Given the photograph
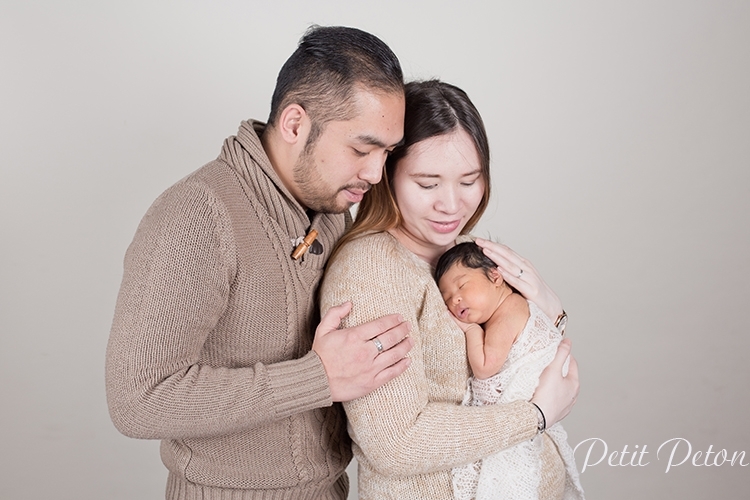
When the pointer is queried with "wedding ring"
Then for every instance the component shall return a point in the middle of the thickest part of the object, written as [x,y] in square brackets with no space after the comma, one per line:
[520,272]
[378,344]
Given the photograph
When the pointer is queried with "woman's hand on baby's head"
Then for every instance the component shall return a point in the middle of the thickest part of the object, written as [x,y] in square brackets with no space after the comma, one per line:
[521,275]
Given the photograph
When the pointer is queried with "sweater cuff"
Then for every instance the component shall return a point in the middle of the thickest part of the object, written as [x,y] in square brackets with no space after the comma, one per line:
[528,415]
[299,385]
[526,422]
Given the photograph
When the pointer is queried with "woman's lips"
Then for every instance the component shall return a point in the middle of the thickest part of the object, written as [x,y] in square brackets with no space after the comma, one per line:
[445,227]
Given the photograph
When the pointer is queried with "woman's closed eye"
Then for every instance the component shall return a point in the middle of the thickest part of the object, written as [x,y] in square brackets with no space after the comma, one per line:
[471,179]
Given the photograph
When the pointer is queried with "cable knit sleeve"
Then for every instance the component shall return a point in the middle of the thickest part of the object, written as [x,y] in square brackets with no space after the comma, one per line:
[409,426]
[176,283]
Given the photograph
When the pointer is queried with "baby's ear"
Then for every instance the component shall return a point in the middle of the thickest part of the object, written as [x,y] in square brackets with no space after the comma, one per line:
[495,276]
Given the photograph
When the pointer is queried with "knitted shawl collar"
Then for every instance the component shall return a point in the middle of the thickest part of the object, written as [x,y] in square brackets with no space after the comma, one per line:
[245,154]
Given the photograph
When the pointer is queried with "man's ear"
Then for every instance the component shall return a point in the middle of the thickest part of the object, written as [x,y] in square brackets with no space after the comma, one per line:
[293,124]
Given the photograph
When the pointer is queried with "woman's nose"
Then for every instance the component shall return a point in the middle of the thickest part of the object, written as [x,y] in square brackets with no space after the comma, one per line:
[448,201]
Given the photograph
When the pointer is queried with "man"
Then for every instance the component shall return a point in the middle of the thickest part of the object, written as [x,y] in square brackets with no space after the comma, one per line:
[211,348]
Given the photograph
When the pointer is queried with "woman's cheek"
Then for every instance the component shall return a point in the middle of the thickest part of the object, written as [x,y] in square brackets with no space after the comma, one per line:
[475,197]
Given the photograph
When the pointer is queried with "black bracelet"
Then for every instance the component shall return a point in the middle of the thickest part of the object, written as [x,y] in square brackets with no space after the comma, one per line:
[543,425]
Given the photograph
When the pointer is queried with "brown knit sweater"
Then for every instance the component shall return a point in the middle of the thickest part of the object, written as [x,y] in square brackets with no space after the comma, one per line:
[410,433]
[210,345]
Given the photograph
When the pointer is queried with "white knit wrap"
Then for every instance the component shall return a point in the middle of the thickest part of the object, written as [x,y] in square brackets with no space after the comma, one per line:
[514,473]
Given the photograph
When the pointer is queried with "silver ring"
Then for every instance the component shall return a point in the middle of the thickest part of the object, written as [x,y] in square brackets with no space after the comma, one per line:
[378,344]
[520,272]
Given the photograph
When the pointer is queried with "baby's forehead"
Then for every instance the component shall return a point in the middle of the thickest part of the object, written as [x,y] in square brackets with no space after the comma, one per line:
[459,270]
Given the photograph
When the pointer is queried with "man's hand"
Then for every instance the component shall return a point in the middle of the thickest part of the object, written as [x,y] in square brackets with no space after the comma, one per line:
[360,359]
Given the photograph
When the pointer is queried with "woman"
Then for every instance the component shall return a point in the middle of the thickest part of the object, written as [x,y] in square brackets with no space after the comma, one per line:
[409,433]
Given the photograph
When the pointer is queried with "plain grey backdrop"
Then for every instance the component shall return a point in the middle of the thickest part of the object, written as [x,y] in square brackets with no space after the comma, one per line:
[620,136]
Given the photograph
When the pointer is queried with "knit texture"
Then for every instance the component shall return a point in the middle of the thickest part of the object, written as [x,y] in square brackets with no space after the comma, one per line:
[210,344]
[409,433]
[515,472]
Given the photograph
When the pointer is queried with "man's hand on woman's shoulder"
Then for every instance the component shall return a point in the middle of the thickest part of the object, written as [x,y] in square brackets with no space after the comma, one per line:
[360,359]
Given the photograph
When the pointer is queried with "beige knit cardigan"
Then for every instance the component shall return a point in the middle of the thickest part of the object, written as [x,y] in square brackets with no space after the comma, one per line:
[210,345]
[410,433]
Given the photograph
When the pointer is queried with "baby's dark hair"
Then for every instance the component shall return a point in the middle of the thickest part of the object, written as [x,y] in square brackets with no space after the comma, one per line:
[468,254]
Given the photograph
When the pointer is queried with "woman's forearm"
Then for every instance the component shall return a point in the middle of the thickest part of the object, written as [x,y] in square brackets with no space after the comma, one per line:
[436,436]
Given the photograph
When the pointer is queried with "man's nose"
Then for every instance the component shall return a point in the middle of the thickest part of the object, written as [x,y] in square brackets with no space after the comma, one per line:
[373,170]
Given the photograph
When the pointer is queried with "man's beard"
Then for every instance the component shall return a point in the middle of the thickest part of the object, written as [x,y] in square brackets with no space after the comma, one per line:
[317,194]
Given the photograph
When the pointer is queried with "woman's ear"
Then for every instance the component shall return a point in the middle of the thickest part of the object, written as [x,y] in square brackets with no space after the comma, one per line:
[294,124]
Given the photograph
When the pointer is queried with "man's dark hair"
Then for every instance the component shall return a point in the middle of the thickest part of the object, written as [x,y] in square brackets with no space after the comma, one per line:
[468,254]
[322,73]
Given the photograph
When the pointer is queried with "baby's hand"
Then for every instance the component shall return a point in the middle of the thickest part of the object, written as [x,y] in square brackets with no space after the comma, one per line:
[465,327]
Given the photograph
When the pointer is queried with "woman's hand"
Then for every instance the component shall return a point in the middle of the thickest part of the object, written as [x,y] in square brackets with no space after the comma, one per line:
[557,393]
[521,275]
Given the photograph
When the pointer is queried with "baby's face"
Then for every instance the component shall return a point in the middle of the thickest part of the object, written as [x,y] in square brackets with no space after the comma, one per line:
[470,295]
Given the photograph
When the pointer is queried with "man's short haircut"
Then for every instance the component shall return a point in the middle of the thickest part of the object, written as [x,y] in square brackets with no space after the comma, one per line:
[322,73]
[468,254]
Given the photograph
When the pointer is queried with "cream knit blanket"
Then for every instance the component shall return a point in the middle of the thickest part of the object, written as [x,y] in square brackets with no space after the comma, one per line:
[514,473]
